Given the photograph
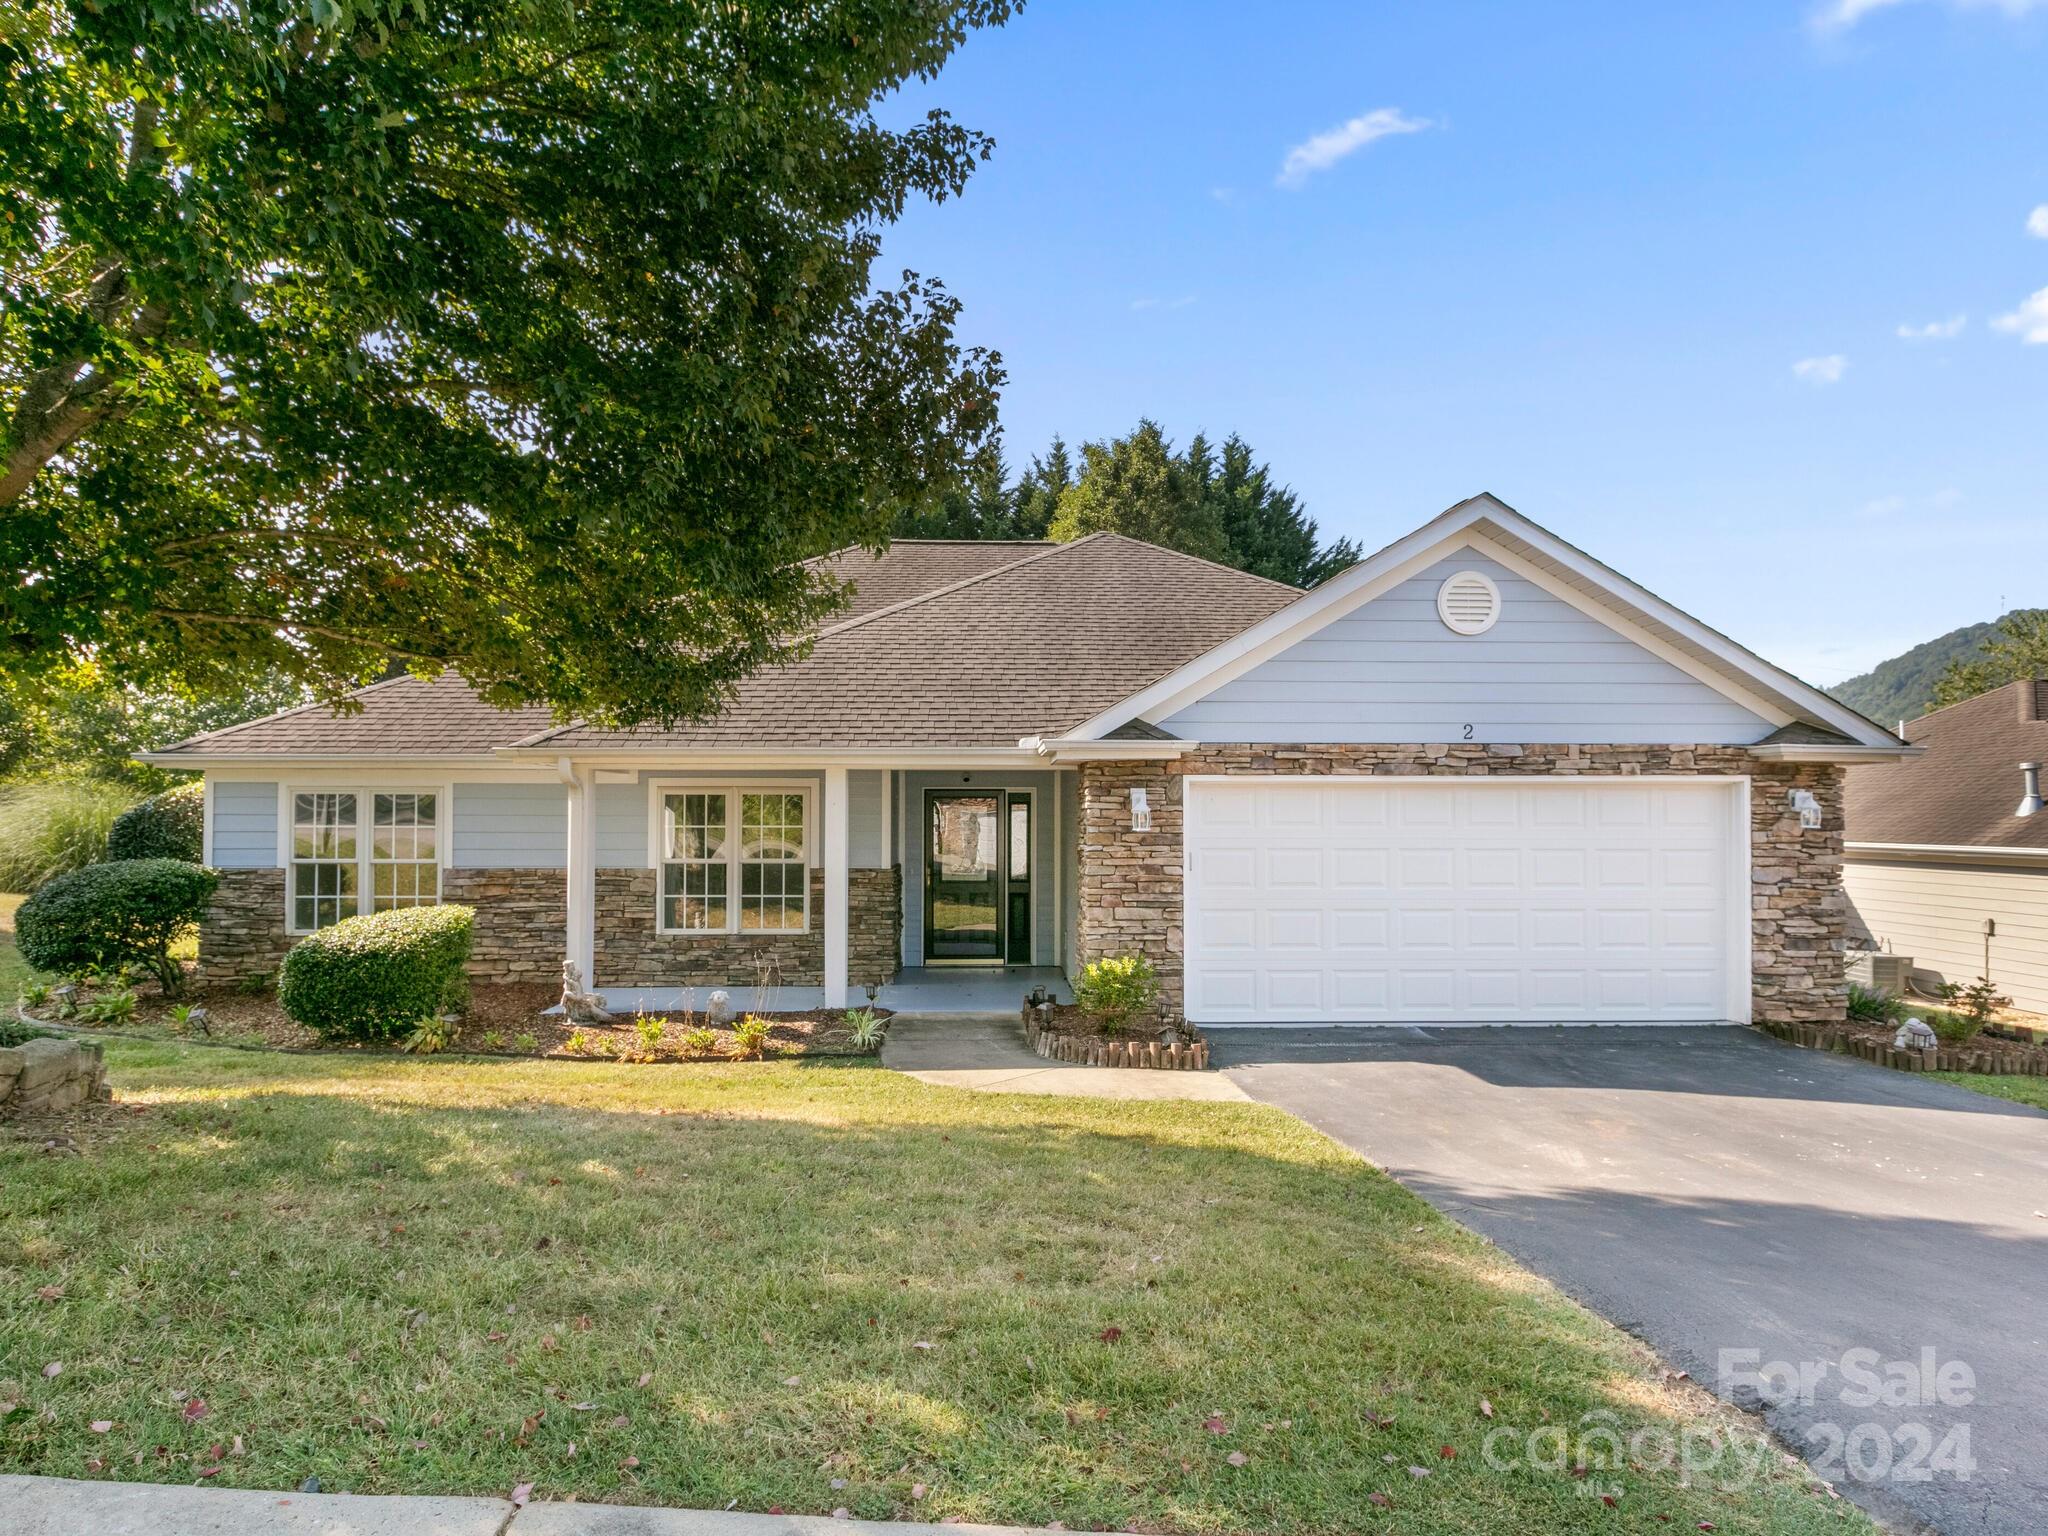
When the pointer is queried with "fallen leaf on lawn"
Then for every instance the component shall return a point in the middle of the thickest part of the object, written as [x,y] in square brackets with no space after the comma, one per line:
[581,1325]
[1708,1525]
[776,1509]
[209,1471]
[1110,1334]
[1449,1453]
[547,1341]
[922,1344]
[582,1407]
[94,1464]
[1215,1425]
[236,1448]
[49,1293]
[1237,1458]
[918,1490]
[1610,1501]
[1485,1409]
[496,1336]
[53,1370]
[792,1381]
[620,1422]
[100,1426]
[646,1377]
[842,1513]
[1381,1500]
[629,1463]
[521,1493]
[1418,1471]
[572,1447]
[196,1409]
[838,1484]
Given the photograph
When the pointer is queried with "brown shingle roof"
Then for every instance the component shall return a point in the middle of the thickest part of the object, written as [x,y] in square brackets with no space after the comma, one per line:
[1033,647]
[402,717]
[977,644]
[912,567]
[1962,791]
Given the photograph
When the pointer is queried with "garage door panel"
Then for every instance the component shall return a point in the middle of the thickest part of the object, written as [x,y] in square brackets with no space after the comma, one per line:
[1466,901]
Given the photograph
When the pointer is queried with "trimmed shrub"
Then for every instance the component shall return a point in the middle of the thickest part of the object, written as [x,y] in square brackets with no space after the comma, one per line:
[53,826]
[110,915]
[368,977]
[171,825]
[1115,990]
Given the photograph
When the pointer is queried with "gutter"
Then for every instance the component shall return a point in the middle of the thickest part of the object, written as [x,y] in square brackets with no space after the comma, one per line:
[1950,853]
[1847,752]
[1073,749]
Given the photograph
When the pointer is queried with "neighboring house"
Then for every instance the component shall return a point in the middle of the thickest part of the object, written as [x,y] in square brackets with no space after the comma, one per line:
[1941,865]
[1477,777]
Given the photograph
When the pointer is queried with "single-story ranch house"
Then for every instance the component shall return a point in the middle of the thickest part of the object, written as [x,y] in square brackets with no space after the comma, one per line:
[1477,777]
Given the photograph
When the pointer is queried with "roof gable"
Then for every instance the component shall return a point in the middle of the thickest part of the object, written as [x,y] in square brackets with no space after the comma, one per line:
[1394,669]
[1487,525]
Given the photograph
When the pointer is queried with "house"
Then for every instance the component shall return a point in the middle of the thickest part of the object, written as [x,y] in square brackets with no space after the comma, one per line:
[1947,853]
[1477,777]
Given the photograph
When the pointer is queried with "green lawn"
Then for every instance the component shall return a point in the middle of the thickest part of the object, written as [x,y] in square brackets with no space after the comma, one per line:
[796,1286]
[2021,1090]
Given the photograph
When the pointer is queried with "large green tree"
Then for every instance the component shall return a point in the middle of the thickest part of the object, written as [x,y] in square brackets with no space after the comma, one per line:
[1137,485]
[539,339]
[1222,505]
[2017,648]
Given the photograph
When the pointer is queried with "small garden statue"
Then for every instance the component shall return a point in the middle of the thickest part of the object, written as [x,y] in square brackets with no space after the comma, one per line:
[1914,1035]
[581,1006]
[720,1010]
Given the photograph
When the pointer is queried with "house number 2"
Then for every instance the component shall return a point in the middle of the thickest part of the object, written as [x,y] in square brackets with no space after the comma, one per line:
[1468,733]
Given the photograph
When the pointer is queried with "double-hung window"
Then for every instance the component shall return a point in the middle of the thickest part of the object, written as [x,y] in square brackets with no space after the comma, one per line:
[357,851]
[734,861]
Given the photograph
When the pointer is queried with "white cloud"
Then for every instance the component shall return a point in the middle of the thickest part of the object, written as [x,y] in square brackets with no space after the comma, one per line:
[1151,303]
[2037,222]
[1821,370]
[1883,506]
[1327,148]
[2030,321]
[1840,15]
[1934,330]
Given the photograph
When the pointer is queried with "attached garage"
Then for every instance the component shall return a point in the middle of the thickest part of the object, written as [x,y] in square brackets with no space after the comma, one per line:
[1481,900]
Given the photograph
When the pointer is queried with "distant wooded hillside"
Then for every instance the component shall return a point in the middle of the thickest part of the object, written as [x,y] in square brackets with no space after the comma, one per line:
[1903,688]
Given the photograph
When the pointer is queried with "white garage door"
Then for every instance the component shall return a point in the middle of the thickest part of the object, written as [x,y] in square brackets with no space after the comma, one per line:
[1489,901]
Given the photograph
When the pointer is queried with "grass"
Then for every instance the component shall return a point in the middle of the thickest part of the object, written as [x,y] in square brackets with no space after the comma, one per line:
[2021,1090]
[799,1287]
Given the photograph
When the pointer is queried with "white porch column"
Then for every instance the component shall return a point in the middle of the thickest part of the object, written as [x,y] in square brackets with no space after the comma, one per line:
[580,876]
[838,833]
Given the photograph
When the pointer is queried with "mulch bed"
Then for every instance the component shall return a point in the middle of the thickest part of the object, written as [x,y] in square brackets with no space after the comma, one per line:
[1873,1042]
[499,1020]
[1062,1032]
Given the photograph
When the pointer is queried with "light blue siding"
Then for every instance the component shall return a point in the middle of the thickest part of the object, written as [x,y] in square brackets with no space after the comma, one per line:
[1391,671]
[244,824]
[510,826]
[865,791]
[910,840]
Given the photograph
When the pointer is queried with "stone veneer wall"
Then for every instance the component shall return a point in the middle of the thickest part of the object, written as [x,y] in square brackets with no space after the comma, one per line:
[521,924]
[522,921]
[243,933]
[631,953]
[1130,896]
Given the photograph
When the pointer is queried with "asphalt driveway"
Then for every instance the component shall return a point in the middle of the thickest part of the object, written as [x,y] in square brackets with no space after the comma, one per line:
[1712,1191]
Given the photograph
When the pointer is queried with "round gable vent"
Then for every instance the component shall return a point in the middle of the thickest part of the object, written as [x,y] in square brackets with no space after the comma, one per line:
[1468,602]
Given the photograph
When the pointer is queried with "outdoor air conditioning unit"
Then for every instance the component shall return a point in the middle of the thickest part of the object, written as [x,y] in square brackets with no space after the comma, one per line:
[1880,970]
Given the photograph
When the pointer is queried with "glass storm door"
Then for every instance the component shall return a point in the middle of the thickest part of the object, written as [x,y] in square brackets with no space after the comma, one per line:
[974,877]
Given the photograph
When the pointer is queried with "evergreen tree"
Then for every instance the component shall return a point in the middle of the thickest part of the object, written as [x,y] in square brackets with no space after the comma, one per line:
[1137,486]
[2017,648]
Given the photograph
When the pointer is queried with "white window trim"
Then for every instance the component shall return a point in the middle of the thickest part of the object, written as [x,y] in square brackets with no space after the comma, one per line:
[444,832]
[732,789]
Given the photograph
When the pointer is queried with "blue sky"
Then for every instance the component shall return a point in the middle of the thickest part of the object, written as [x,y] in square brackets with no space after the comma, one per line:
[1640,271]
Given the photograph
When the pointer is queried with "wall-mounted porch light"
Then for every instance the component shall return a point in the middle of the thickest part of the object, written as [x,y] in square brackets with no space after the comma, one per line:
[1141,812]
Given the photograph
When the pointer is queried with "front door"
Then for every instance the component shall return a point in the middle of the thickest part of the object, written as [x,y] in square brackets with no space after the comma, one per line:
[977,877]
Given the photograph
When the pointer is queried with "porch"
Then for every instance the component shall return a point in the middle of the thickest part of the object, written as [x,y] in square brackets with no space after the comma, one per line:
[916,989]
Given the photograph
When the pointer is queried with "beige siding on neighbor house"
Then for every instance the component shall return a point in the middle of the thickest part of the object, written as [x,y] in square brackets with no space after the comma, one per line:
[1936,914]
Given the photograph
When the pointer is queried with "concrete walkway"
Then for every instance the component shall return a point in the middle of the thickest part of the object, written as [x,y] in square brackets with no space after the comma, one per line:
[987,1053]
[55,1506]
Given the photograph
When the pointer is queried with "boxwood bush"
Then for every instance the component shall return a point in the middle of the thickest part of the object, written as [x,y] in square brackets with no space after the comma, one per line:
[166,826]
[368,977]
[109,915]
